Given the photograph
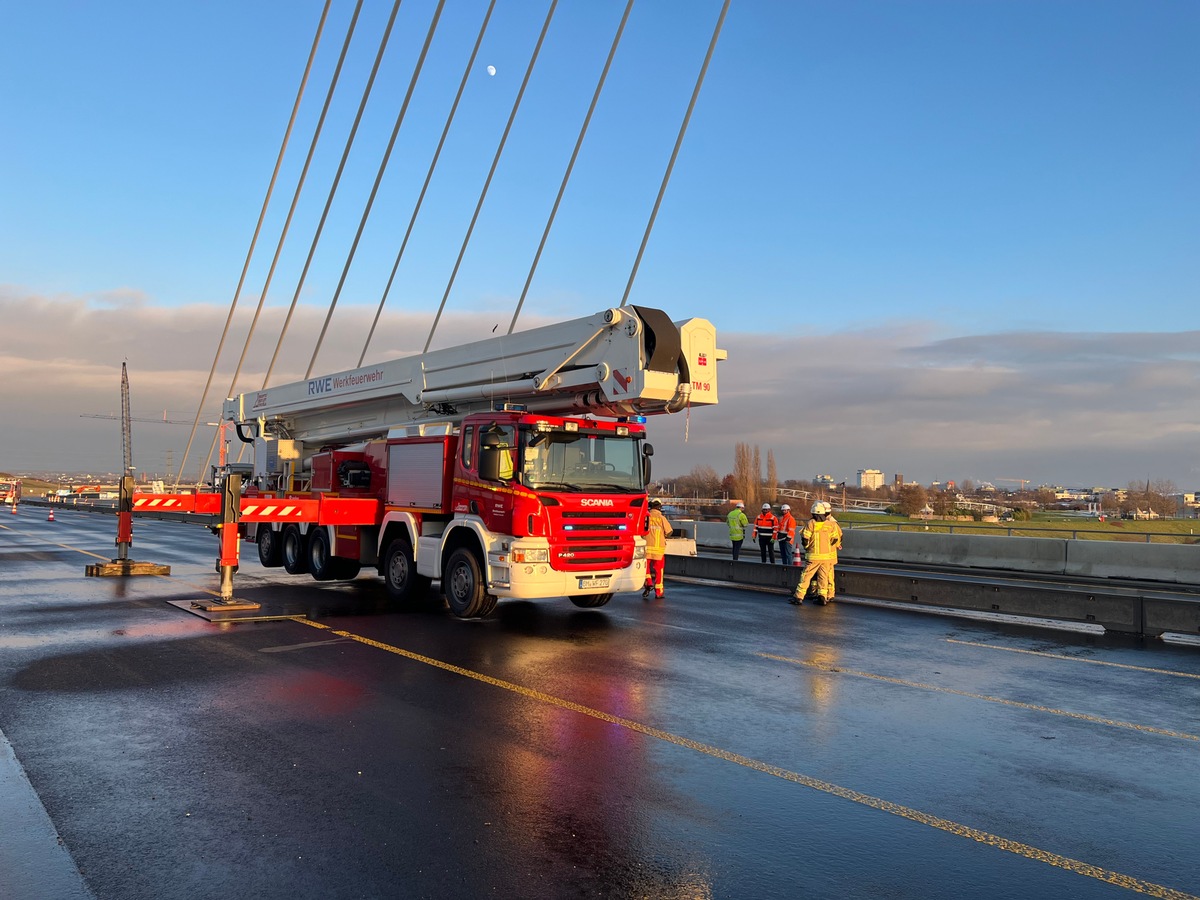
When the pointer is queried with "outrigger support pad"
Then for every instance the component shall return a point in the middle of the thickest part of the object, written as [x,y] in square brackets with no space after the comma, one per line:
[122,565]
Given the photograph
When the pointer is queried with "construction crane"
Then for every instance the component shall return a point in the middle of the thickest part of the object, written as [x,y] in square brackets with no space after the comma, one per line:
[163,421]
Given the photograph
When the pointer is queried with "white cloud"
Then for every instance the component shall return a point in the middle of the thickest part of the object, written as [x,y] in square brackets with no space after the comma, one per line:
[1075,408]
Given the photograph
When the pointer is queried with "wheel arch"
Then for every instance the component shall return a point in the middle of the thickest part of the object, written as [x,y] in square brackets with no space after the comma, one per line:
[396,525]
[467,535]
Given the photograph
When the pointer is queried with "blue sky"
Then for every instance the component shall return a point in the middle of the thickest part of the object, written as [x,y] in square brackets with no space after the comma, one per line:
[946,239]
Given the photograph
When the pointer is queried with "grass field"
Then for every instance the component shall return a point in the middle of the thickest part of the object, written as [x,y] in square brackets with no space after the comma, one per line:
[1157,531]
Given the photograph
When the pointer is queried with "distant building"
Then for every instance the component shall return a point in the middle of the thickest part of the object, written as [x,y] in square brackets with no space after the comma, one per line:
[824,480]
[870,478]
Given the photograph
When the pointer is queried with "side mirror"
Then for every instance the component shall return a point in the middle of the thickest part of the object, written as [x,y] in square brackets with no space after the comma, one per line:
[493,451]
[489,463]
[647,452]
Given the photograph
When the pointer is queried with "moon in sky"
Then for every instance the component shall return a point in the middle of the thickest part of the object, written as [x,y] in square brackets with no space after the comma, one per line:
[491,70]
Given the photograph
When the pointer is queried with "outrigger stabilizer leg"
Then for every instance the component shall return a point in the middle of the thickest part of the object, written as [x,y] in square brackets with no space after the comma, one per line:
[122,564]
[227,555]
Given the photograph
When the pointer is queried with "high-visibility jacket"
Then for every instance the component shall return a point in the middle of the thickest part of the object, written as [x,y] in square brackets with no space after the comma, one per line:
[787,528]
[657,529]
[821,539]
[765,525]
[738,523]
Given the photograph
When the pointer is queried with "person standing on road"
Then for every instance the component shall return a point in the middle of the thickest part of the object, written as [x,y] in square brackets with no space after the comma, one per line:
[657,530]
[765,527]
[820,538]
[787,534]
[738,523]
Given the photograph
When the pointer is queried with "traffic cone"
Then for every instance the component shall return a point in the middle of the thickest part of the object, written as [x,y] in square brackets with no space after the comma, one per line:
[14,509]
[50,518]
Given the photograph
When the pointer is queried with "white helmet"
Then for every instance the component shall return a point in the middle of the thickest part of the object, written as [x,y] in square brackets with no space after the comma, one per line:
[741,505]
[766,506]
[821,508]
[784,507]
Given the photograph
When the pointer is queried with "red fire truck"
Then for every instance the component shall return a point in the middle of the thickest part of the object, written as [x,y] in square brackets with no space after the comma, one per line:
[10,491]
[514,467]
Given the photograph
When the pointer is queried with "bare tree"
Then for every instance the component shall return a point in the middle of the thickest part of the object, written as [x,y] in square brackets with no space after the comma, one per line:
[772,477]
[702,481]
[746,480]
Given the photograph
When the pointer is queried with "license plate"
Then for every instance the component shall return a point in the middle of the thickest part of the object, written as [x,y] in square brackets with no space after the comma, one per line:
[594,582]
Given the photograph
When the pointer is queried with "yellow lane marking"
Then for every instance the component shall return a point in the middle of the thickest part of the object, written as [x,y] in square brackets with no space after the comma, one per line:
[1062,862]
[1083,717]
[1095,662]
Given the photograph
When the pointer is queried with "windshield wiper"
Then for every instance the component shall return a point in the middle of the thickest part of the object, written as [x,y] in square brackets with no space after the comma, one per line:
[613,487]
[557,485]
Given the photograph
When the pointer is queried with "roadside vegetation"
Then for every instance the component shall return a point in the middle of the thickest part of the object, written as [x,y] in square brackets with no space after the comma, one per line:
[1146,511]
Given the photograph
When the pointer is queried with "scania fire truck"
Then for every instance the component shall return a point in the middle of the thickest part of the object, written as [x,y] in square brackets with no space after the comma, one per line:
[10,492]
[514,467]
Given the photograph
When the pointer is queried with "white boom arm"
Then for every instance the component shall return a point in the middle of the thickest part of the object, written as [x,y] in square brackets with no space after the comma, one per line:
[619,362]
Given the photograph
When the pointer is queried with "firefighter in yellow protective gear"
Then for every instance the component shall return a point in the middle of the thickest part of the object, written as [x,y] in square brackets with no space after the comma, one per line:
[657,531]
[820,538]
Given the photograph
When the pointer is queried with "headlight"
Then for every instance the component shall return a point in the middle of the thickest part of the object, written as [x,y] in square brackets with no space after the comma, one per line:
[534,555]
[639,551]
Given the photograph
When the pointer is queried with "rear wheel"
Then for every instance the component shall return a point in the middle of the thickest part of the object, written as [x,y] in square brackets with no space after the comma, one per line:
[400,573]
[462,583]
[321,563]
[591,601]
[294,550]
[270,553]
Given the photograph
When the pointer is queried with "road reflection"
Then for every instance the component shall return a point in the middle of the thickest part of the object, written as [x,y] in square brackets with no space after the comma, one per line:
[577,789]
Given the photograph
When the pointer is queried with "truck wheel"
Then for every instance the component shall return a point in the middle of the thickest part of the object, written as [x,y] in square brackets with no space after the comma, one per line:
[462,583]
[400,573]
[321,563]
[591,601]
[346,569]
[294,551]
[270,553]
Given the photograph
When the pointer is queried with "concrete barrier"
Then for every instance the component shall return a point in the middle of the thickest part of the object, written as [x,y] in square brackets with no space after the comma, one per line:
[1115,609]
[1168,563]
[1044,556]
[1147,613]
[1171,563]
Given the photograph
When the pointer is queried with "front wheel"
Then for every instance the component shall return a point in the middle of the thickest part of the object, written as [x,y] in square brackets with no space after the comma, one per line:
[590,601]
[462,583]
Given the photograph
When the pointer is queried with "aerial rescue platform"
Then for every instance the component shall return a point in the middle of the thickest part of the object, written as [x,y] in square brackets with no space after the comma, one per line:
[513,467]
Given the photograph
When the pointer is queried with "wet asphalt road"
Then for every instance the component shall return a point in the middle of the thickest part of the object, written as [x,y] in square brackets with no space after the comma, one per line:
[718,744]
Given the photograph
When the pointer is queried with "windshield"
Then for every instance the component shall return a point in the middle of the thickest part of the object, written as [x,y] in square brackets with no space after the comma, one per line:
[571,461]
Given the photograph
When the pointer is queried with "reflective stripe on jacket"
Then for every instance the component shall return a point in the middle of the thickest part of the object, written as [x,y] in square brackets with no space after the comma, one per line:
[738,523]
[821,539]
[765,524]
[787,528]
[657,529]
